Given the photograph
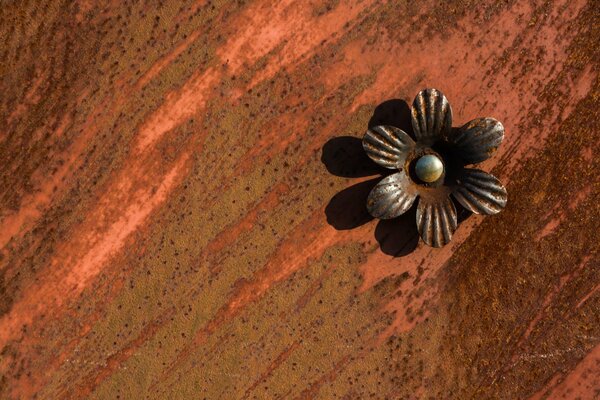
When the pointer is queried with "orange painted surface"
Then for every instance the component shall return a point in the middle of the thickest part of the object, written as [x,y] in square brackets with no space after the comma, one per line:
[182,202]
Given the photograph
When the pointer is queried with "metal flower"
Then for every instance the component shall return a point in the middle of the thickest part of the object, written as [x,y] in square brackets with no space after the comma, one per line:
[433,168]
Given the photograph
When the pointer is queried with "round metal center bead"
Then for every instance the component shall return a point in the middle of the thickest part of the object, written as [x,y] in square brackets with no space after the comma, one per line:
[429,168]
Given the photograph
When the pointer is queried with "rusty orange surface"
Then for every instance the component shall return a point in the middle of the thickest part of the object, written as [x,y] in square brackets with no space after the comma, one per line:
[182,201]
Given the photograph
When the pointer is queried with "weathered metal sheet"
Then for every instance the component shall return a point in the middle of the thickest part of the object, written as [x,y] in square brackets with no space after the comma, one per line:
[183,191]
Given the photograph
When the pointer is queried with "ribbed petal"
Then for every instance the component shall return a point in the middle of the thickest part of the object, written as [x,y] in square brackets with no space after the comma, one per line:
[391,197]
[387,145]
[477,140]
[436,221]
[480,192]
[431,116]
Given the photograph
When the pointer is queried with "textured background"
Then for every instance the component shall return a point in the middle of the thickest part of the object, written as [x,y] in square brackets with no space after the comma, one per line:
[182,188]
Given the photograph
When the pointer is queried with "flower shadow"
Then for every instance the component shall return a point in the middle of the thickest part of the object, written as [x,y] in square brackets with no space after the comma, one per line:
[344,156]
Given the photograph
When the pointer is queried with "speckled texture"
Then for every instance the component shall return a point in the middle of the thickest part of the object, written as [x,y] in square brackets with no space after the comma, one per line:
[179,219]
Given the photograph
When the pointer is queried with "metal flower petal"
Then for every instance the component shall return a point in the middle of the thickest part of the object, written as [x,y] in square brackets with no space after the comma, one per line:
[431,116]
[478,139]
[480,192]
[387,145]
[436,220]
[391,197]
